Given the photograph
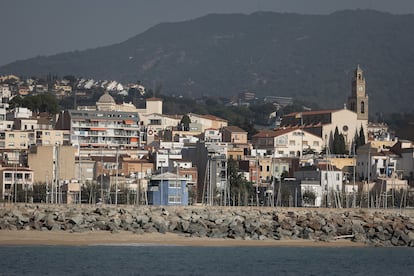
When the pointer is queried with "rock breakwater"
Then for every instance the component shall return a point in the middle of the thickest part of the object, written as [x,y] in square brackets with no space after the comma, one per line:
[371,226]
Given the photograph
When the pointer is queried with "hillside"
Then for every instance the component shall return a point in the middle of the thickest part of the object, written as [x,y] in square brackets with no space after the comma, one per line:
[310,57]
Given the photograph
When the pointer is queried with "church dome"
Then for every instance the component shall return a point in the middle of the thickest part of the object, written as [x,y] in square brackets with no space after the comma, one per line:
[106,99]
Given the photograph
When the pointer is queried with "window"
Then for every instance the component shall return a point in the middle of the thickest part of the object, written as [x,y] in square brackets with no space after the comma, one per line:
[261,168]
[174,199]
[267,168]
[11,135]
[337,177]
[315,143]
[155,122]
[291,142]
[362,107]
[173,184]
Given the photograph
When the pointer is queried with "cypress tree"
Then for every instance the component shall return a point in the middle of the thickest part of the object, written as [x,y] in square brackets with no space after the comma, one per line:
[341,144]
[336,145]
[361,136]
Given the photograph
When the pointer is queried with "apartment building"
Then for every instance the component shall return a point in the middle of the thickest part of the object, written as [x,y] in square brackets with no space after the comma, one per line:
[16,139]
[94,128]
[52,163]
[15,182]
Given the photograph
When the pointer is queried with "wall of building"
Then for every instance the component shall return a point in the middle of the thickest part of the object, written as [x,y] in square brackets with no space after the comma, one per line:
[41,160]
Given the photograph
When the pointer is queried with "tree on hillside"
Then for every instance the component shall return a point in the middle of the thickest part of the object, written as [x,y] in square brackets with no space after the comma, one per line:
[45,102]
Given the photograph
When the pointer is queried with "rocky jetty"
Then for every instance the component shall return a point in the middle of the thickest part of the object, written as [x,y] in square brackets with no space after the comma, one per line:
[372,226]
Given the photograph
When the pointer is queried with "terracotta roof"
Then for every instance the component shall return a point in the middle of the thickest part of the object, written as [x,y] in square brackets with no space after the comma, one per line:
[234,129]
[208,116]
[154,99]
[313,112]
[279,132]
[212,117]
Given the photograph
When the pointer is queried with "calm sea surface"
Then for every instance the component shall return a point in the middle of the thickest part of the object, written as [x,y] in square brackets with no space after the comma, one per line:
[181,260]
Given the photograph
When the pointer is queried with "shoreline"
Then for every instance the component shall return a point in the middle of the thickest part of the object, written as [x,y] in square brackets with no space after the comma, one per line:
[124,238]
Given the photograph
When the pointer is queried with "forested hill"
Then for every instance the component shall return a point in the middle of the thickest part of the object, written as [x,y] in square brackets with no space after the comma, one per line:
[309,57]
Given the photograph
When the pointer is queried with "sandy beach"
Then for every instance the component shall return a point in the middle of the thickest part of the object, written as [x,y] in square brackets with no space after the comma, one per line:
[21,238]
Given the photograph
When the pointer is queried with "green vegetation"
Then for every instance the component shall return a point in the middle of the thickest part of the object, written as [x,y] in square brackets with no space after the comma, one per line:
[44,102]
[241,189]
[338,143]
[308,57]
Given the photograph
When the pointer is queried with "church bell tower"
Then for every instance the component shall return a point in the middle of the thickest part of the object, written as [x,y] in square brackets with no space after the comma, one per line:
[358,101]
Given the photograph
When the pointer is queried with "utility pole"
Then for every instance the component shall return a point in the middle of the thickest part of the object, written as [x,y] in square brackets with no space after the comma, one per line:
[257,180]
[116,177]
[80,175]
[102,170]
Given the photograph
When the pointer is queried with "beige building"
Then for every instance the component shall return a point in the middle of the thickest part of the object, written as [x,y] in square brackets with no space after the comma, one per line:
[207,121]
[234,135]
[324,122]
[158,122]
[154,105]
[51,163]
[14,183]
[288,142]
[52,137]
[16,139]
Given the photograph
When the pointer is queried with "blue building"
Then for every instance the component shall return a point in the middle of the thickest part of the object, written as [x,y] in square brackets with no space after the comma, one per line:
[167,189]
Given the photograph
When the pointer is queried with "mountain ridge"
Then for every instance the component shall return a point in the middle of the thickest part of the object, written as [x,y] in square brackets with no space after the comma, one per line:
[308,57]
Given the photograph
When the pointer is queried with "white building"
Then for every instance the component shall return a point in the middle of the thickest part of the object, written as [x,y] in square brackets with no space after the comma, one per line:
[290,142]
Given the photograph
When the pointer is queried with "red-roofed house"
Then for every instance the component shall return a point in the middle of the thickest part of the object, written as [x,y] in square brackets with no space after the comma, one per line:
[287,142]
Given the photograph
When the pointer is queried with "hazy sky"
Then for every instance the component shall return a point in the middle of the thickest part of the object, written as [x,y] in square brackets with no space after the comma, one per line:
[42,27]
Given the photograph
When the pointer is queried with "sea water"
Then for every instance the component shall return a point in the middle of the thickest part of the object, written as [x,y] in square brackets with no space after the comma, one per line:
[181,260]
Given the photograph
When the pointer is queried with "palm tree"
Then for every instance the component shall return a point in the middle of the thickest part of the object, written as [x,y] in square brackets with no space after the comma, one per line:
[240,188]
